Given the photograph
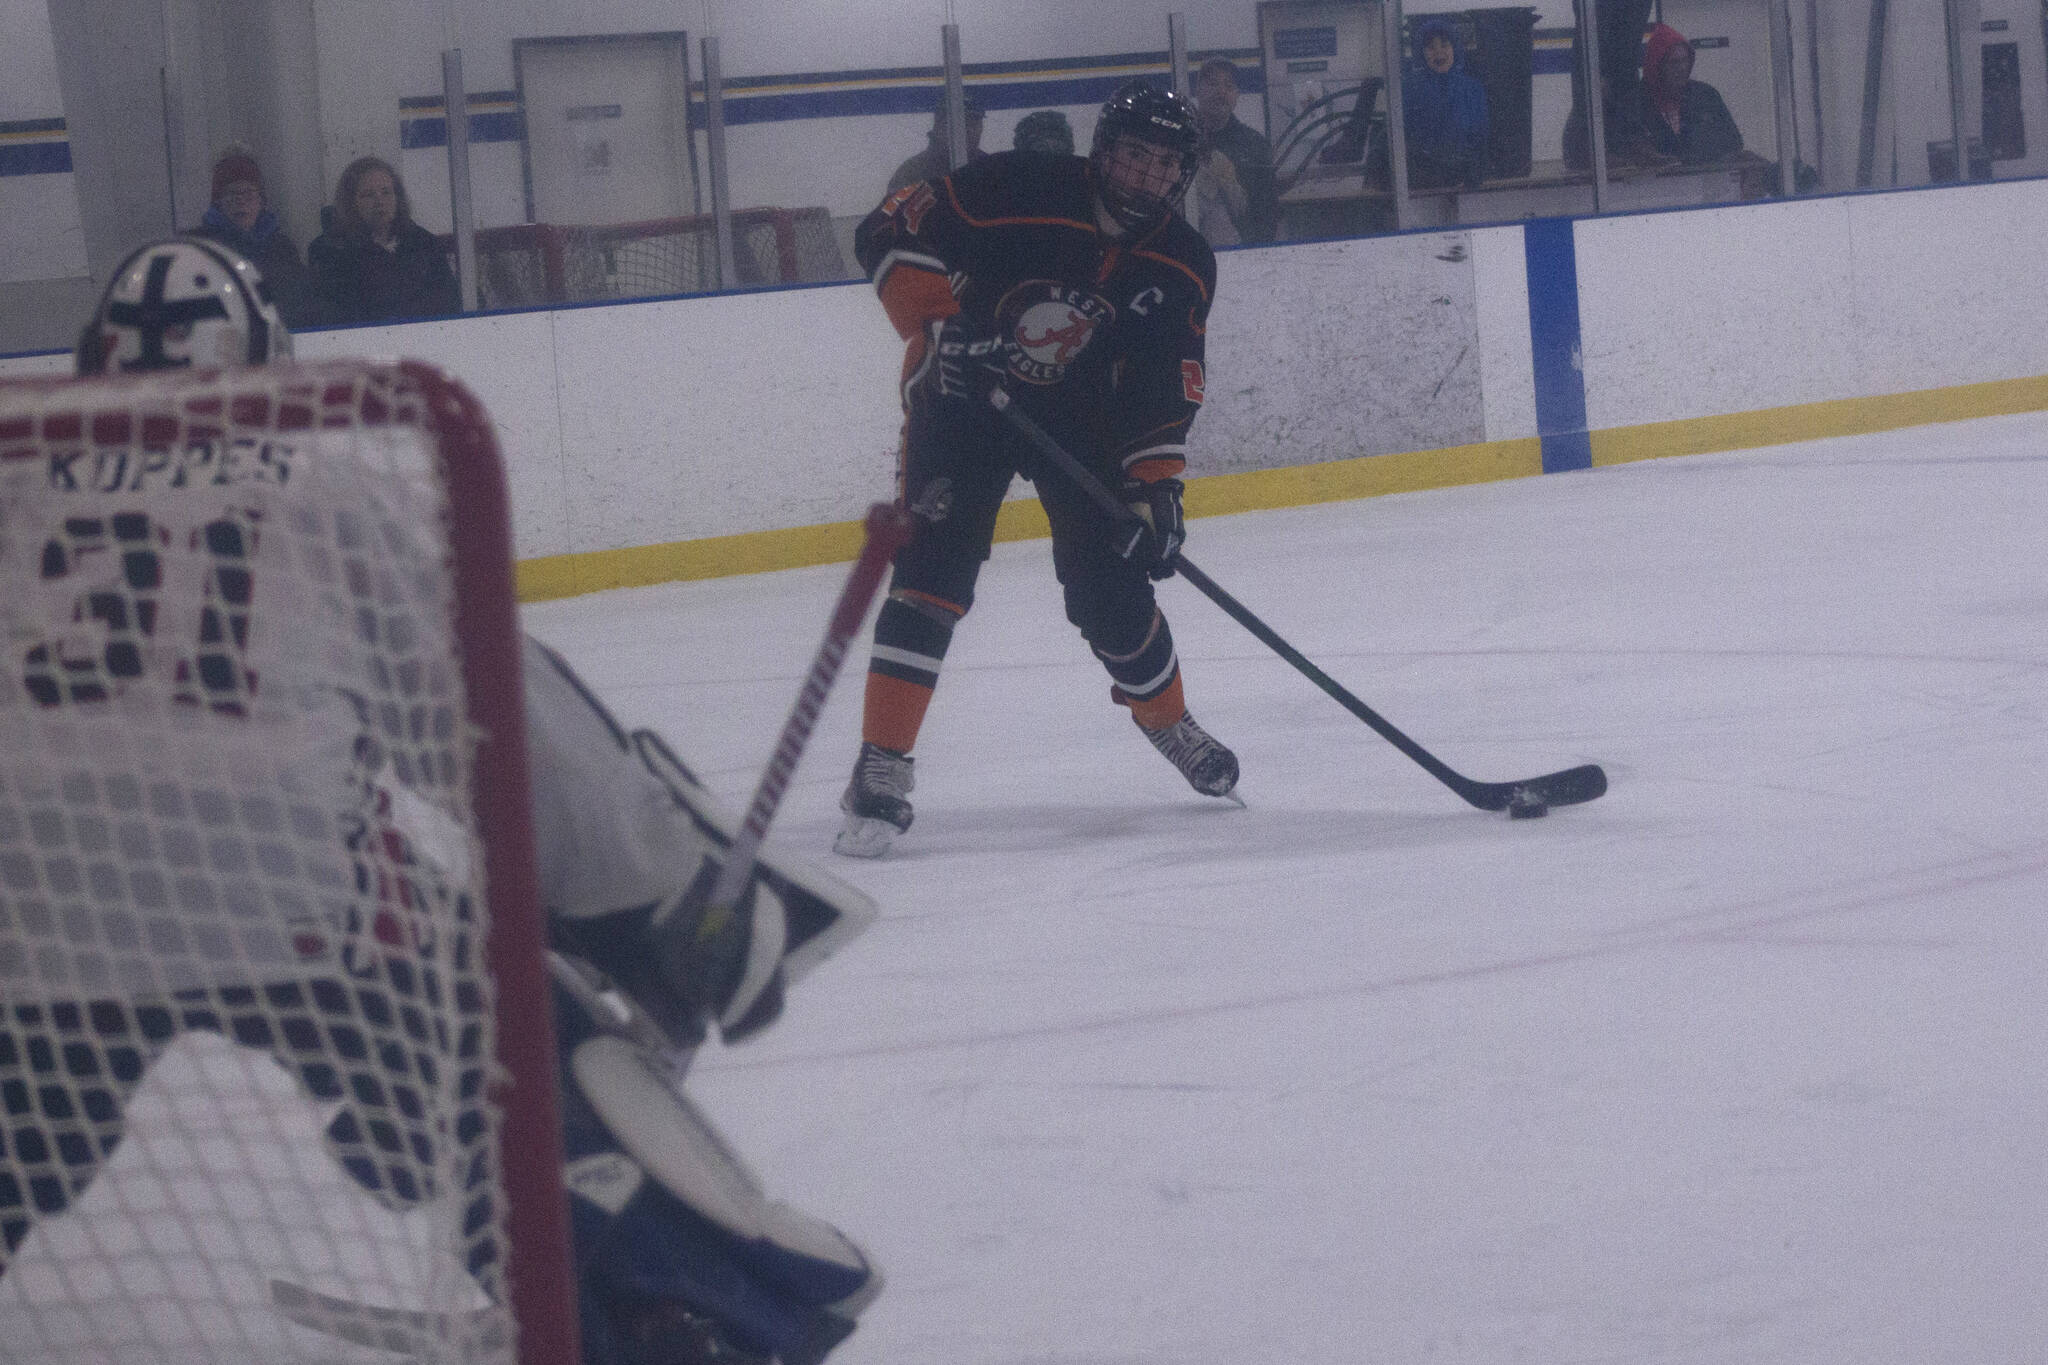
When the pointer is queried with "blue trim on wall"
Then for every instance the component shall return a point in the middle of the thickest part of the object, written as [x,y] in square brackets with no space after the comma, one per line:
[35,158]
[910,99]
[504,126]
[1553,261]
[852,94]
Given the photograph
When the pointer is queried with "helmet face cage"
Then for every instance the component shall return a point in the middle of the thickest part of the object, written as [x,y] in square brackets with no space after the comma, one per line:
[1140,195]
[183,303]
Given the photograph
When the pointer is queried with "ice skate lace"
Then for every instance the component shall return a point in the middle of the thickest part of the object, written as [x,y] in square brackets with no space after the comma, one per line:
[882,773]
[1188,747]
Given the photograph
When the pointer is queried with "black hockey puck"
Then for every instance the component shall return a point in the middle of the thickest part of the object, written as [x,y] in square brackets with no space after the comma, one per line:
[1524,805]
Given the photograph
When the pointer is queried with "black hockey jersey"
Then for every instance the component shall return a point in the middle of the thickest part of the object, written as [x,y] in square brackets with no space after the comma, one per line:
[1107,331]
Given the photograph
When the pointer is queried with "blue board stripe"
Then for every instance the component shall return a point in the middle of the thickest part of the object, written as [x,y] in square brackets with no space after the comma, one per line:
[1553,262]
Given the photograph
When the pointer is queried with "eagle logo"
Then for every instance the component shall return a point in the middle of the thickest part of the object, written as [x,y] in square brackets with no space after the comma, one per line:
[1050,325]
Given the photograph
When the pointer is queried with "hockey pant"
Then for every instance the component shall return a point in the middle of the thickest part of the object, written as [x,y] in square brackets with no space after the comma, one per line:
[955,474]
[679,1254]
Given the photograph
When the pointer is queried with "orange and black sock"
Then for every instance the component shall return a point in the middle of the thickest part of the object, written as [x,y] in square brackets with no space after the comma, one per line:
[1148,678]
[911,636]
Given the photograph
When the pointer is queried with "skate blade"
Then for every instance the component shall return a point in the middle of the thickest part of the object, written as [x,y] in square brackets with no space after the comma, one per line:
[864,838]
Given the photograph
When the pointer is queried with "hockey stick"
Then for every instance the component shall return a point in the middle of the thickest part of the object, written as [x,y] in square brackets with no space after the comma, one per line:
[1530,796]
[888,527]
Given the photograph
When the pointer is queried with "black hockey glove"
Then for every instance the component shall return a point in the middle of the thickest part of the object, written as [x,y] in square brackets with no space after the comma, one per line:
[1155,537]
[965,362]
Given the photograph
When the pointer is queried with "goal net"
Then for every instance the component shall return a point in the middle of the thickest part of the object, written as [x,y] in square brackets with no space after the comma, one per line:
[540,263]
[275,1058]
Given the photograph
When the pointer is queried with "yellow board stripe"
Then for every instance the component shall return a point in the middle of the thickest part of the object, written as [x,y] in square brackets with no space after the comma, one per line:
[1815,421]
[1300,485]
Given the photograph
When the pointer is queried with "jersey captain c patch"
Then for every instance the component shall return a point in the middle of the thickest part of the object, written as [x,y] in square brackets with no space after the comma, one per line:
[1051,324]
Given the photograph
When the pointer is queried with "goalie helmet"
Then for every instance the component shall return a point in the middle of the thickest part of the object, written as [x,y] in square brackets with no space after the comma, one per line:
[1136,195]
[183,303]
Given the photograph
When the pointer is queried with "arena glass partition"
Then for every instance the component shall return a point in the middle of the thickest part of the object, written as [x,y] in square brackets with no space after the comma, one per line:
[629,150]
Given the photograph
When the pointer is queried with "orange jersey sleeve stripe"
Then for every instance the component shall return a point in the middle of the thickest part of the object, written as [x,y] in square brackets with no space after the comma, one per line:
[912,296]
[1177,265]
[972,221]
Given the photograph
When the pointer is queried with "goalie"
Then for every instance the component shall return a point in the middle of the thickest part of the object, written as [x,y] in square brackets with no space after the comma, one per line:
[681,1257]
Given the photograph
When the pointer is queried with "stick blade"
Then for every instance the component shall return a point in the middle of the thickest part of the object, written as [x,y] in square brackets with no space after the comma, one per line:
[1571,787]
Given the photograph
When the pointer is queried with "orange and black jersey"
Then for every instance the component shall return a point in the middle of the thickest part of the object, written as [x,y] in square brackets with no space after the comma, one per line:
[1107,330]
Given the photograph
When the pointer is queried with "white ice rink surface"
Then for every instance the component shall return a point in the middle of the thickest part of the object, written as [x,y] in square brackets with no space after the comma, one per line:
[1742,1063]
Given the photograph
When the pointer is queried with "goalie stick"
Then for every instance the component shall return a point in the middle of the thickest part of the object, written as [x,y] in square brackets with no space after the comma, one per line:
[407,1332]
[1567,787]
[888,527]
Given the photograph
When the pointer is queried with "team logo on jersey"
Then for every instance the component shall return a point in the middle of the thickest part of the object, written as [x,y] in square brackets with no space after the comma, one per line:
[1051,324]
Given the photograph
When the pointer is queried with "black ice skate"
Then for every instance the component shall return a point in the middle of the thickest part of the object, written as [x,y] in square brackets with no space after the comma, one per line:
[1209,767]
[876,804]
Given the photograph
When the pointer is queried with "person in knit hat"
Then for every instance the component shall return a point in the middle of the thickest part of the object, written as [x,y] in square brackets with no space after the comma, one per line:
[1685,118]
[239,217]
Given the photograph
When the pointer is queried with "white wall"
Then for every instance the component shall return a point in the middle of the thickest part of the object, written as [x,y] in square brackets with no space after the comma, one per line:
[1740,309]
[639,424]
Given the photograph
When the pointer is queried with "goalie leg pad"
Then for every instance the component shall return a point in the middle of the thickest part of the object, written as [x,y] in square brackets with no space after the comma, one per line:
[670,1221]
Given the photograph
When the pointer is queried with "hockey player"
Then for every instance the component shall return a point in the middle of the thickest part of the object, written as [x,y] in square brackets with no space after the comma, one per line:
[1074,285]
[681,1256]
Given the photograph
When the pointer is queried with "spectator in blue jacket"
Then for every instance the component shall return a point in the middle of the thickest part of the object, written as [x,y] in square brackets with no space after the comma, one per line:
[1443,109]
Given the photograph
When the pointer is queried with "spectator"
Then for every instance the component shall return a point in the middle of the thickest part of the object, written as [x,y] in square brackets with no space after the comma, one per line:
[1249,154]
[375,264]
[1217,201]
[1621,26]
[936,160]
[1686,118]
[1045,131]
[1443,111]
[238,217]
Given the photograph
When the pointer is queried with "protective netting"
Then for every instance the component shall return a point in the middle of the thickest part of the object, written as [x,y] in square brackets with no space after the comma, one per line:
[247,1040]
[541,263]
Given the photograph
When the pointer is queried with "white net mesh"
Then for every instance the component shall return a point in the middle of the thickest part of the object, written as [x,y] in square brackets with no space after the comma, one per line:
[246,1041]
[541,263]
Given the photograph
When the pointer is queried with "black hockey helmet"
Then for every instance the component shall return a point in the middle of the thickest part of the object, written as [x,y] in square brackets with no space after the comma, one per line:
[1164,120]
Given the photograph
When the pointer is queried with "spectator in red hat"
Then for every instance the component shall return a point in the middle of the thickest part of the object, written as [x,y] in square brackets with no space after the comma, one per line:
[1686,118]
[239,217]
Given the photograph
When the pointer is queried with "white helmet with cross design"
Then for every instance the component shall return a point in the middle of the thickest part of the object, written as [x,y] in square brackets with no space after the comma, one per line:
[183,303]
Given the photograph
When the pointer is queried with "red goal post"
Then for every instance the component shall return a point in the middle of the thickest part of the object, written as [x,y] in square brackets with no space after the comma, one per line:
[275,1037]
